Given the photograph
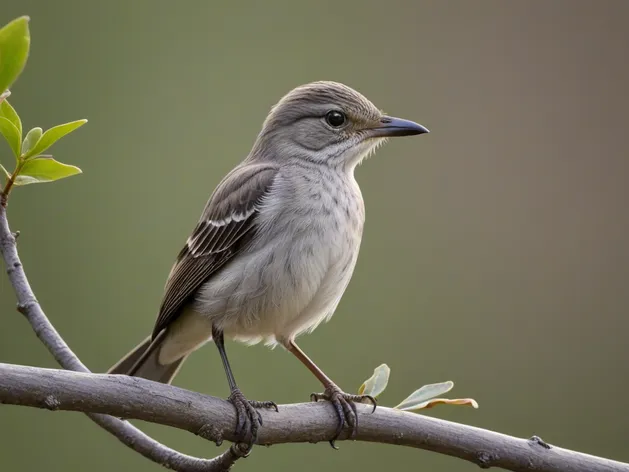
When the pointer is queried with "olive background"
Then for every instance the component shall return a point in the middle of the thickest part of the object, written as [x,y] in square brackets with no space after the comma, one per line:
[496,248]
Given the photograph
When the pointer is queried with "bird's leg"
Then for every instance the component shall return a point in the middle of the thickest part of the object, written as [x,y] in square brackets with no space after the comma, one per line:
[248,419]
[344,403]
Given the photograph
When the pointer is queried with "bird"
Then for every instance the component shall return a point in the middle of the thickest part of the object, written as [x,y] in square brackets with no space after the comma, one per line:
[275,247]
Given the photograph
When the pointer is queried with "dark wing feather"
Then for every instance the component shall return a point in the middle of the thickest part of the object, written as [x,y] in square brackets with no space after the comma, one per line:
[227,223]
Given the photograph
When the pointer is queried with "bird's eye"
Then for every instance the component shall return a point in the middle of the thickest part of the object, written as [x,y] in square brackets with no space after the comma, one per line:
[335,118]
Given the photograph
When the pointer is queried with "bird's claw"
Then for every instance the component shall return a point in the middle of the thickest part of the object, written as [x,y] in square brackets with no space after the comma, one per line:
[345,407]
[248,418]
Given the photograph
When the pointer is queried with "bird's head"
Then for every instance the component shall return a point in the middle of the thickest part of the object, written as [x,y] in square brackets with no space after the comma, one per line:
[328,123]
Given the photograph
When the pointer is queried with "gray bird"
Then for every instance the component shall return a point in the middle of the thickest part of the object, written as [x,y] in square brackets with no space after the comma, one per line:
[276,245]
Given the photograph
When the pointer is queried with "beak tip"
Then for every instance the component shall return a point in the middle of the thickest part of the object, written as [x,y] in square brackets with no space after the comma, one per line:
[423,130]
[391,126]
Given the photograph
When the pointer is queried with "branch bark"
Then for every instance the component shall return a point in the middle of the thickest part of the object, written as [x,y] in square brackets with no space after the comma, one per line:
[214,418]
[48,335]
[98,395]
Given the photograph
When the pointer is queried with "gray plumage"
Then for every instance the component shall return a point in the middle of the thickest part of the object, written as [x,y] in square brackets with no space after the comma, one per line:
[276,245]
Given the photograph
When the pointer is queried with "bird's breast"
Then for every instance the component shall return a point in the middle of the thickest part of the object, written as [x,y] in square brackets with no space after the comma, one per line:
[295,273]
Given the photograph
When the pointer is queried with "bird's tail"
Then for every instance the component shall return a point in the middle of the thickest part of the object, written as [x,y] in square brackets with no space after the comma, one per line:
[143,362]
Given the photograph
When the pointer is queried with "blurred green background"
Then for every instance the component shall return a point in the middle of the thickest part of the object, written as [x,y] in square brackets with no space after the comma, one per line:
[496,249]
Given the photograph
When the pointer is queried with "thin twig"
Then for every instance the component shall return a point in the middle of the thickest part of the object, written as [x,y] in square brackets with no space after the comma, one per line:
[136,398]
[48,335]
[4,196]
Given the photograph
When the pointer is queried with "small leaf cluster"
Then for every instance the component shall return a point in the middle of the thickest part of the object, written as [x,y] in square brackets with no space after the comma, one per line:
[31,164]
[421,399]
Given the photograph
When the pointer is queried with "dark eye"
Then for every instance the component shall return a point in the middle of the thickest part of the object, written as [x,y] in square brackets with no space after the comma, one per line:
[335,118]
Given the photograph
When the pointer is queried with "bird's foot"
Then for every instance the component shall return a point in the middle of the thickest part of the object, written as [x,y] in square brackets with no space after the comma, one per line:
[345,406]
[248,418]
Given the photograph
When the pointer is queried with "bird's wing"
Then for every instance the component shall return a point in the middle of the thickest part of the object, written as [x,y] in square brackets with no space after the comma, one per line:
[227,223]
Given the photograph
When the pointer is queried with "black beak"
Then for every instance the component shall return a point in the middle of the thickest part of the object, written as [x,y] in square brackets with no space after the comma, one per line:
[390,126]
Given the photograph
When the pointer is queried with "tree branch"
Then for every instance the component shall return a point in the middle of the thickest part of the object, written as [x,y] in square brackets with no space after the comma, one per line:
[100,395]
[213,418]
[45,331]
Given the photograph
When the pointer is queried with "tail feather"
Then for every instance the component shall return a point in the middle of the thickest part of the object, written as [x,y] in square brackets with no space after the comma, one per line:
[143,362]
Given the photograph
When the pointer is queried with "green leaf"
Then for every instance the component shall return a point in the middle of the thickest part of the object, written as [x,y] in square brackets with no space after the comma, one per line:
[11,134]
[30,141]
[7,111]
[15,41]
[6,172]
[376,384]
[53,135]
[44,169]
[425,393]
